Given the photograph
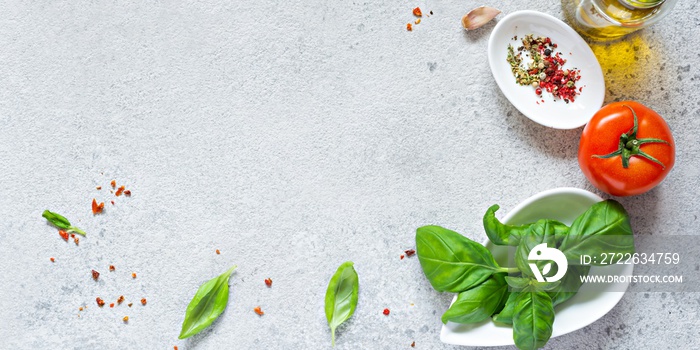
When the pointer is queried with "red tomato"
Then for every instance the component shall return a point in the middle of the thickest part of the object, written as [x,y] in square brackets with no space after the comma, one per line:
[623,156]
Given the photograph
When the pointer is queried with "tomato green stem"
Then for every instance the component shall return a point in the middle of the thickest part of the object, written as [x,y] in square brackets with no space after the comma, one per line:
[629,146]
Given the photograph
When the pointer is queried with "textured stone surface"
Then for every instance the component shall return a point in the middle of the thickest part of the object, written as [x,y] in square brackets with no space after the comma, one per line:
[292,136]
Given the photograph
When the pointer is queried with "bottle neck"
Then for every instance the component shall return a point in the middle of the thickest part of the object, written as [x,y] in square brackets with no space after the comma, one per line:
[641,4]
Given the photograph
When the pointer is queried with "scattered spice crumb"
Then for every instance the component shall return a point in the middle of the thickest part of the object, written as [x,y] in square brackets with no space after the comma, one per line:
[417,21]
[113,183]
[409,27]
[80,308]
[413,345]
[76,240]
[175,347]
[95,275]
[127,193]
[412,304]
[410,252]
[417,12]
[52,259]
[120,190]
[218,252]
[125,319]
[72,235]
[120,300]
[268,282]
[63,235]
[386,312]
[111,267]
[111,304]
[100,302]
[97,208]
[129,304]
[258,311]
[402,256]
[143,301]
[431,12]
[112,202]
[133,275]
[98,188]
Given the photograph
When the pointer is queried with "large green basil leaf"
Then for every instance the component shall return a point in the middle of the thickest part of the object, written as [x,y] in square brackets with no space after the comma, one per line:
[506,315]
[61,222]
[533,319]
[570,284]
[542,231]
[452,262]
[206,305]
[341,296]
[478,303]
[603,228]
[502,234]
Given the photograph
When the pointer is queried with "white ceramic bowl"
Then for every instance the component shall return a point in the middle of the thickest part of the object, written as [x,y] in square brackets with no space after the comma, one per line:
[559,115]
[584,308]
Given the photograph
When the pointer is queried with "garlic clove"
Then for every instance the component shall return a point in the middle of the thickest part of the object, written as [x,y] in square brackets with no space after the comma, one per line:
[478,17]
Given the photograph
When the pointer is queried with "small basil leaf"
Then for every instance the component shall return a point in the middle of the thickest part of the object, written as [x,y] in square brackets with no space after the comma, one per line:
[517,283]
[478,303]
[543,231]
[533,319]
[452,262]
[341,296]
[499,233]
[570,284]
[206,305]
[604,227]
[61,222]
[506,315]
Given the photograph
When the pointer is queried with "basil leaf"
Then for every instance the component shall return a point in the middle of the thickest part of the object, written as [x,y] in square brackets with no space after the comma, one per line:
[570,284]
[543,231]
[532,320]
[61,222]
[604,227]
[206,306]
[341,296]
[452,262]
[517,283]
[501,234]
[506,315]
[478,303]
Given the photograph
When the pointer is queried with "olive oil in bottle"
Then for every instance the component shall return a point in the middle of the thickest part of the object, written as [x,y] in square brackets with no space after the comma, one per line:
[612,19]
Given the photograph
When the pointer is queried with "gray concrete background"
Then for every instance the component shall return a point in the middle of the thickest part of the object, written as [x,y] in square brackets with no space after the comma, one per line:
[292,136]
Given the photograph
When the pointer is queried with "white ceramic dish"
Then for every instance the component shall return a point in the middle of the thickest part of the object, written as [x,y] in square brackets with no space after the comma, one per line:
[584,308]
[559,114]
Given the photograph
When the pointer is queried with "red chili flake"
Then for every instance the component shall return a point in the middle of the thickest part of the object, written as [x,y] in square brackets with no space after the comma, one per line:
[72,235]
[143,301]
[133,275]
[175,347]
[113,183]
[218,252]
[100,302]
[98,188]
[63,235]
[120,300]
[409,27]
[111,268]
[386,312]
[112,202]
[125,319]
[258,311]
[417,12]
[402,256]
[127,193]
[95,275]
[410,252]
[111,305]
[76,240]
[413,345]
[120,190]
[52,259]
[97,208]
[268,282]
